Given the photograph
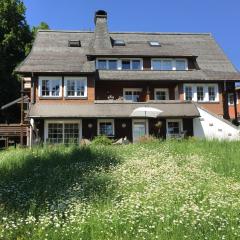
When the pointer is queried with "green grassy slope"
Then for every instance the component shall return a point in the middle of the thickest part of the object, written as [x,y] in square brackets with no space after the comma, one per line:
[158,190]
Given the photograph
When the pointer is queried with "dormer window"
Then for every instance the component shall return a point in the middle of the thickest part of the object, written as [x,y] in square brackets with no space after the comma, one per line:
[169,64]
[102,64]
[181,64]
[119,43]
[74,43]
[154,44]
[126,64]
[119,64]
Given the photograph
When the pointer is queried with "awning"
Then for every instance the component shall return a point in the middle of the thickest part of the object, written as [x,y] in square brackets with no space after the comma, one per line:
[102,109]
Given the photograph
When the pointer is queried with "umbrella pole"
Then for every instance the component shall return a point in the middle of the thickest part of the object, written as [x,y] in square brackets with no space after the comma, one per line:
[145,122]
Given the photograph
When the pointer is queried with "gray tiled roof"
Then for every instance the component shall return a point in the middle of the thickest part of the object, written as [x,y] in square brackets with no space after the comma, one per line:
[195,75]
[51,53]
[108,110]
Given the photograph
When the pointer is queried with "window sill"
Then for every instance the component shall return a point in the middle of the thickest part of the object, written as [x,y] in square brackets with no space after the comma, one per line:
[204,102]
[121,70]
[51,98]
[108,136]
[76,98]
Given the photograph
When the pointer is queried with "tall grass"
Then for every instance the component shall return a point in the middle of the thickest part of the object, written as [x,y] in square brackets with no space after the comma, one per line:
[153,190]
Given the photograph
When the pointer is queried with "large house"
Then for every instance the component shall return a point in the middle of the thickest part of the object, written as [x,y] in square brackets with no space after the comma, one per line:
[127,85]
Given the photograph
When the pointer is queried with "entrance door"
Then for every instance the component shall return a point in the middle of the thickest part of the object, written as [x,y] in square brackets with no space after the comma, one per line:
[139,129]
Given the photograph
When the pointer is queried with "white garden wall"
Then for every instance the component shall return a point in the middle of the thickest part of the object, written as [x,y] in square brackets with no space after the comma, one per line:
[211,126]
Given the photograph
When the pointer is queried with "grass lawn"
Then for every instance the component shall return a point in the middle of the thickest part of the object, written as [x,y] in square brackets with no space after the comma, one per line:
[155,190]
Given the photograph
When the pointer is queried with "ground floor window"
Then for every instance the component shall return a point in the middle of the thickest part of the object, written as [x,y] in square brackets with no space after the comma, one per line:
[174,128]
[63,133]
[106,127]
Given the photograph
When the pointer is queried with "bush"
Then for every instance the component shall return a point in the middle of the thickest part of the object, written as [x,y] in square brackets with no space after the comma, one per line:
[147,139]
[102,140]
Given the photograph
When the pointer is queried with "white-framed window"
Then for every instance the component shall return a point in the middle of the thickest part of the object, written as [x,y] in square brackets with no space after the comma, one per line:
[169,64]
[106,127]
[231,98]
[161,94]
[75,87]
[50,87]
[181,64]
[174,127]
[62,132]
[132,94]
[188,92]
[201,92]
[102,64]
[119,64]
[211,93]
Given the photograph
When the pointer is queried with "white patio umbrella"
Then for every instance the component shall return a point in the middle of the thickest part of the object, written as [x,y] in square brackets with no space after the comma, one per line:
[146,112]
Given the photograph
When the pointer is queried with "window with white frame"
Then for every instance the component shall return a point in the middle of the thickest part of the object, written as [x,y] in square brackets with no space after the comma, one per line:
[174,127]
[136,64]
[112,64]
[102,64]
[211,93]
[132,94]
[126,64]
[201,92]
[169,64]
[161,94]
[119,64]
[62,132]
[181,64]
[75,87]
[106,127]
[188,93]
[50,87]
[231,98]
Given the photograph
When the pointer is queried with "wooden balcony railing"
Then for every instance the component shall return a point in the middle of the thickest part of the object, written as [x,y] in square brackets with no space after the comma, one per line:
[12,130]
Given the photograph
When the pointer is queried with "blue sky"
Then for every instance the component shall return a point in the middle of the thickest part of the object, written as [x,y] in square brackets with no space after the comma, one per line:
[220,17]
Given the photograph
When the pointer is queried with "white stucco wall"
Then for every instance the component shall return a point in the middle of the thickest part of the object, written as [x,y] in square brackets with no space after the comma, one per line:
[211,127]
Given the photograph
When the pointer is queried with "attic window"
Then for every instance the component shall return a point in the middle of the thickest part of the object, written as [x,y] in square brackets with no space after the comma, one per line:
[119,43]
[74,43]
[154,44]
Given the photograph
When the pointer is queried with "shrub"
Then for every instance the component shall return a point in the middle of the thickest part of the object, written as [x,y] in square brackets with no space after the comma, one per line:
[147,139]
[102,140]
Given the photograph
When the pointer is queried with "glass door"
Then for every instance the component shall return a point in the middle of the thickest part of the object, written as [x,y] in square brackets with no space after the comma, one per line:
[139,130]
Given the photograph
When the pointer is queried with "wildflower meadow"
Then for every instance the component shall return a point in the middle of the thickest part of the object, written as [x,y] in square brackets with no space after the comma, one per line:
[186,189]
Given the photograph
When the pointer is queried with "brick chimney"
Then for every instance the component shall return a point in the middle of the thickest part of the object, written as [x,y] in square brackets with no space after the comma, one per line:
[102,38]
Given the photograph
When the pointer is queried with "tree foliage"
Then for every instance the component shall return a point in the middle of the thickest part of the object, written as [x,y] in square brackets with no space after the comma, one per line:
[15,34]
[16,40]
[41,26]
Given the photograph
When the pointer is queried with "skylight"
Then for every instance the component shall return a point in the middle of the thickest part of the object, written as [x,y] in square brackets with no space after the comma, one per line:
[154,43]
[74,43]
[119,43]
